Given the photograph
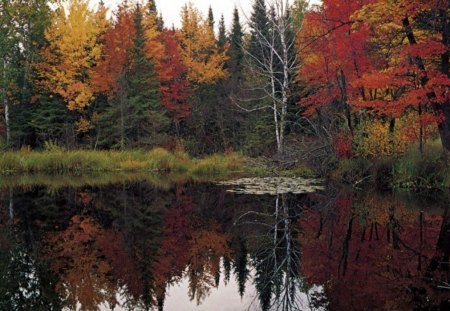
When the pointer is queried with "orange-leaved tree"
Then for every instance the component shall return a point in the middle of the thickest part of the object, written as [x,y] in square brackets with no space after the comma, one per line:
[173,76]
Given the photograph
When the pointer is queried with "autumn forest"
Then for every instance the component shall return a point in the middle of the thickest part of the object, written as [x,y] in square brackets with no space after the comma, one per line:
[325,86]
[293,158]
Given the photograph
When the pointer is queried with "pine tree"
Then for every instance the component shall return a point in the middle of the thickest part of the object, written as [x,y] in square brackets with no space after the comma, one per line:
[152,6]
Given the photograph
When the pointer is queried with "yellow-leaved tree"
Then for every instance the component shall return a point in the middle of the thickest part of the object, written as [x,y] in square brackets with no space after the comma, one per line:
[201,55]
[152,24]
[73,50]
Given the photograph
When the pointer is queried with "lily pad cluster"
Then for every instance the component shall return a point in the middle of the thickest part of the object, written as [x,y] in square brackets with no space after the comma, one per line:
[273,185]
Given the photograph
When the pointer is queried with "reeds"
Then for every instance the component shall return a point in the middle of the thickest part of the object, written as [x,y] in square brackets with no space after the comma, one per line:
[90,161]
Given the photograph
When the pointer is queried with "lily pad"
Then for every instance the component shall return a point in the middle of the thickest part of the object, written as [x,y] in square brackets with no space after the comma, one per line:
[273,185]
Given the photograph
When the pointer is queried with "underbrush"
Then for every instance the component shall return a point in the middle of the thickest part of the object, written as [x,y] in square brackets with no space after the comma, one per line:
[411,171]
[420,172]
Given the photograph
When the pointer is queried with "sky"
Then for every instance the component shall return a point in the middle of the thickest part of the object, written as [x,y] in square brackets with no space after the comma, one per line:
[171,9]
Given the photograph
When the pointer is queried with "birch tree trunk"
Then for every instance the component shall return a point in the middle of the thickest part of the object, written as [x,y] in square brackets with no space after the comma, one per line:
[5,103]
[278,66]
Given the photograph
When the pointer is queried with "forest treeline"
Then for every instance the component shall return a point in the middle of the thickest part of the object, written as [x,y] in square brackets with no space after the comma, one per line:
[339,80]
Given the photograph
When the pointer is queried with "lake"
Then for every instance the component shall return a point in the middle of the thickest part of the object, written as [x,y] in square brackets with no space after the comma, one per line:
[184,245]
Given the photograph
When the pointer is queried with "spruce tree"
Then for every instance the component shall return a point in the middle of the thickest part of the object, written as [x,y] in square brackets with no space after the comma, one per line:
[211,17]
[134,117]
[235,52]
[222,40]
[21,40]
[143,97]
[259,31]
[152,10]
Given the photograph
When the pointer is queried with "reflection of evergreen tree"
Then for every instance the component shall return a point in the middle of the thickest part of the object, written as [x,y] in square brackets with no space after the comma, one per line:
[226,269]
[137,210]
[25,283]
[240,265]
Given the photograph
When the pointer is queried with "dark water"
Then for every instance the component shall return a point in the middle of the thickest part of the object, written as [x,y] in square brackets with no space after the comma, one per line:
[197,247]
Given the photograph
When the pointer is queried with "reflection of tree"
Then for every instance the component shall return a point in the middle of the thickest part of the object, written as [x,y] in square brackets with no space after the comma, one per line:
[374,251]
[207,246]
[137,214]
[25,283]
[173,256]
[240,264]
[276,258]
[129,240]
[84,272]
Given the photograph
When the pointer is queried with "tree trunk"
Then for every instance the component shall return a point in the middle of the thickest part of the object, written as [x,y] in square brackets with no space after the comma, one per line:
[344,98]
[441,108]
[6,103]
[7,122]
[274,102]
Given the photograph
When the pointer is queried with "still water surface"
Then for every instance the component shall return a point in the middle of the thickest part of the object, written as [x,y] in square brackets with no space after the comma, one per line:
[195,246]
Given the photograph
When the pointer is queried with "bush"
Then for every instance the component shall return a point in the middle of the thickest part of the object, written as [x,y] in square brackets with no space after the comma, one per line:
[52,145]
[416,172]
[352,170]
[373,140]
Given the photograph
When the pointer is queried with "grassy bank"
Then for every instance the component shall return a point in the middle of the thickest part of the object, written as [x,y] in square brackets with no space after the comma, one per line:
[411,171]
[89,161]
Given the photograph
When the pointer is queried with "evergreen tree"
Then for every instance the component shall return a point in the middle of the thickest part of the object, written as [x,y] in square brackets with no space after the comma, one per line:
[8,47]
[160,23]
[236,52]
[20,43]
[259,30]
[134,116]
[152,6]
[222,39]
[143,95]
[152,10]
[211,21]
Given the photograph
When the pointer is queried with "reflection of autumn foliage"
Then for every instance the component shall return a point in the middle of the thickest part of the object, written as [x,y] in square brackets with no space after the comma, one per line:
[372,254]
[172,257]
[123,268]
[84,272]
[186,244]
[207,247]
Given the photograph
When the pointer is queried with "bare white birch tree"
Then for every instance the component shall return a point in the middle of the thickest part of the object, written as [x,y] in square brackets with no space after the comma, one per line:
[275,65]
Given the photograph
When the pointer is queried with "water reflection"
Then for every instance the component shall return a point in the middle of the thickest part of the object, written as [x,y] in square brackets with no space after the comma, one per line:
[134,246]
[276,255]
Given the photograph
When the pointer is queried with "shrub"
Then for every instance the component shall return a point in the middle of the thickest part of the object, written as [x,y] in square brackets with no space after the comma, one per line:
[352,170]
[343,145]
[416,172]
[52,145]
[373,140]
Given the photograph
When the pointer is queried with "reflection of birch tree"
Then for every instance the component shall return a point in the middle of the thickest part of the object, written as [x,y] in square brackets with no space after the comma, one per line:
[277,257]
